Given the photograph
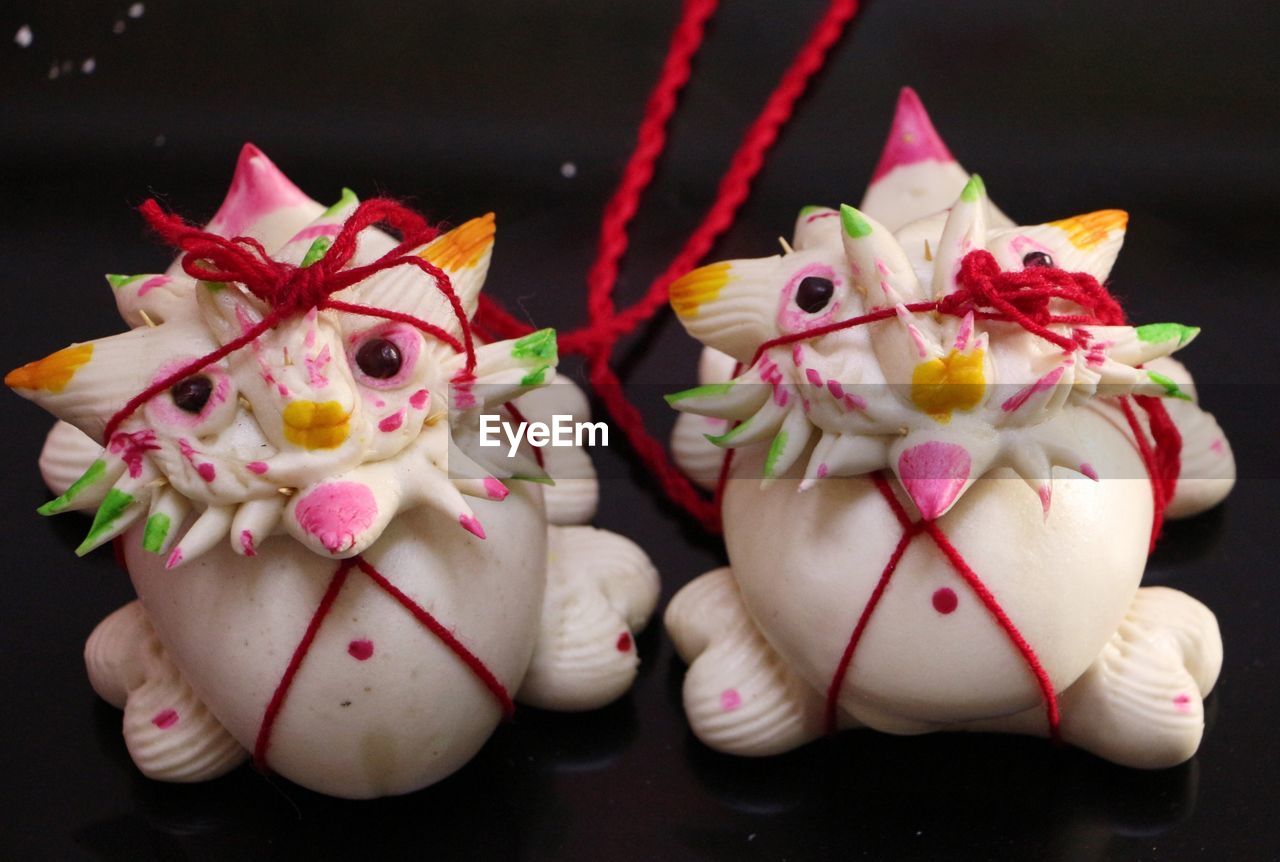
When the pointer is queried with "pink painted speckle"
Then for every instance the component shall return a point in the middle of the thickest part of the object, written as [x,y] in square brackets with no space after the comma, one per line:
[246,543]
[392,422]
[418,400]
[495,489]
[945,600]
[165,719]
[361,649]
[912,137]
[152,283]
[175,559]
[1045,493]
[1040,385]
[730,699]
[336,513]
[1218,447]
[813,376]
[624,642]
[207,472]
[933,475]
[472,525]
[823,470]
[258,467]
[1086,470]
[1182,703]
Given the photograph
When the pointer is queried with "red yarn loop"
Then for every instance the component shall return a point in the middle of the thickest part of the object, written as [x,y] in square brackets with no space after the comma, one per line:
[289,290]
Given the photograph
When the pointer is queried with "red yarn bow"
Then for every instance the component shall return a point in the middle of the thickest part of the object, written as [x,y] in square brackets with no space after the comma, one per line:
[290,289]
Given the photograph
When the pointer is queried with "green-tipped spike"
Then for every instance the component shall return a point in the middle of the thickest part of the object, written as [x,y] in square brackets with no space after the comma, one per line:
[91,476]
[973,189]
[156,531]
[775,452]
[855,224]
[1169,386]
[810,210]
[1160,332]
[112,507]
[119,281]
[536,345]
[536,377]
[727,437]
[317,250]
[214,286]
[348,197]
[706,390]
[537,480]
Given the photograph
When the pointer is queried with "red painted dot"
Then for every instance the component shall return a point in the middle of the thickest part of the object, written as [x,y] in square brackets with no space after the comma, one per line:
[361,649]
[165,719]
[945,601]
[624,642]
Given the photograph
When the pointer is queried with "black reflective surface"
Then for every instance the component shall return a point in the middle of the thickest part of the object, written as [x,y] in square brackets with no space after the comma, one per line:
[1167,111]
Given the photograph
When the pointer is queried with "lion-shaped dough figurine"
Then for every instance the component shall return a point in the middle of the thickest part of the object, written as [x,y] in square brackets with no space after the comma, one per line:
[939,507]
[332,573]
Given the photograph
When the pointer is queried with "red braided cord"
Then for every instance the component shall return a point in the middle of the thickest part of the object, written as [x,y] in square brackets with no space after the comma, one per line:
[295,662]
[448,638]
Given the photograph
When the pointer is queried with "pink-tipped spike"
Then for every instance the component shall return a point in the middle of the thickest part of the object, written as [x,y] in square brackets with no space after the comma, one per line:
[495,489]
[912,138]
[471,525]
[933,475]
[258,188]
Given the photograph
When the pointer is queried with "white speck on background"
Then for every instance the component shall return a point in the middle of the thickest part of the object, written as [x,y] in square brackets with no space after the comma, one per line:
[136,10]
[23,37]
[88,65]
[117,27]
[53,71]
[568,170]
[160,140]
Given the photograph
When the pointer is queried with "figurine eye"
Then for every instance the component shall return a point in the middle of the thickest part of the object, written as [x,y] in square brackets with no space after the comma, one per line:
[1036,258]
[379,358]
[192,394]
[813,293]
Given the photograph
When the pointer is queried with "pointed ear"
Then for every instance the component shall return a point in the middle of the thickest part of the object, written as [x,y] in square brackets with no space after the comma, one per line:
[965,230]
[916,175]
[463,254]
[85,384]
[262,203]
[879,266]
[816,227]
[1084,243]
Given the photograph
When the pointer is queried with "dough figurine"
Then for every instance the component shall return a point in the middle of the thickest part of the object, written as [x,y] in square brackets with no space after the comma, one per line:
[332,573]
[950,457]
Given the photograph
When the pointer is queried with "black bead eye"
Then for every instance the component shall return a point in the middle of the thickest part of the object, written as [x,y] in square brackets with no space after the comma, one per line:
[379,358]
[813,293]
[1036,258]
[192,393]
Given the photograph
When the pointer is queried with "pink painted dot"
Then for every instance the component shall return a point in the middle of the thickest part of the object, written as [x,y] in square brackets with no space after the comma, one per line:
[1182,703]
[823,469]
[730,699]
[258,467]
[813,377]
[945,601]
[361,650]
[1218,447]
[624,642]
[206,471]
[165,719]
[418,400]
[392,422]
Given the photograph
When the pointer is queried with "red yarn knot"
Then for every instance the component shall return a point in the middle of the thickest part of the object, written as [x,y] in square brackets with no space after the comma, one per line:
[290,289]
[1024,296]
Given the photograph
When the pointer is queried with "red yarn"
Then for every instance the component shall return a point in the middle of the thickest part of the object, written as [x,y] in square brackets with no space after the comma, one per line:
[448,638]
[606,324]
[290,289]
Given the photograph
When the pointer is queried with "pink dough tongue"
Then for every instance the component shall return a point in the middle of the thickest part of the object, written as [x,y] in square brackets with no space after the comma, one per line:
[934,474]
[912,138]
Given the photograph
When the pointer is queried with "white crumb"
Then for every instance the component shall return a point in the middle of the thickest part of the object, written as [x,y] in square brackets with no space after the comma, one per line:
[23,37]
[137,10]
[88,65]
[568,170]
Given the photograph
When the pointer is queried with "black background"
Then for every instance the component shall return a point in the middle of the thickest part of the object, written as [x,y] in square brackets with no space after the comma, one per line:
[1165,109]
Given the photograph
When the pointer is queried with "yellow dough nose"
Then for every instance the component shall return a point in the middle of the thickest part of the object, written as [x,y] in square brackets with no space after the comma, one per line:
[316,426]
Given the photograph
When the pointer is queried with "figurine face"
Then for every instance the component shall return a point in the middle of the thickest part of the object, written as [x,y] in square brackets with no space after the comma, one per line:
[323,427]
[938,398]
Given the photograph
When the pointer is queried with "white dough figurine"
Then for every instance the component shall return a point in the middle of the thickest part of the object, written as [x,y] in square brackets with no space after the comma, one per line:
[938,512]
[331,574]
